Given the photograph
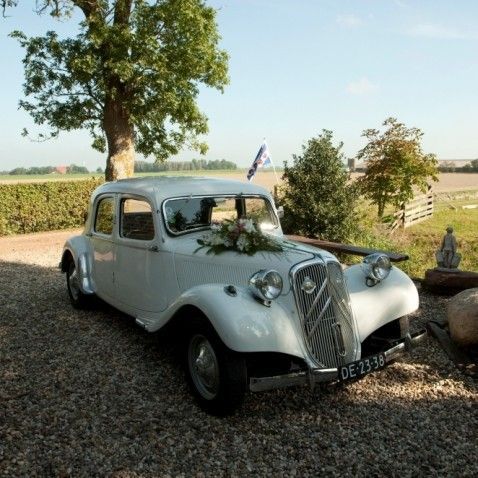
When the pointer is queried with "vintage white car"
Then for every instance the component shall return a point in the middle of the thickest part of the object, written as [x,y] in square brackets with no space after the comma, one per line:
[257,311]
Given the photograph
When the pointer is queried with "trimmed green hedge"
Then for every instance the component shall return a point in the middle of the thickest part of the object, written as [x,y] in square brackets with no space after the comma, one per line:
[47,206]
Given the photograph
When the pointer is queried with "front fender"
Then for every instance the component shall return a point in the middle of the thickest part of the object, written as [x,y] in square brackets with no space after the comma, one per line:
[78,248]
[243,323]
[376,306]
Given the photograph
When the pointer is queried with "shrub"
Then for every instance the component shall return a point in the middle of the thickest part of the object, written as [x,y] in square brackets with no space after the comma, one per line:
[317,197]
[46,206]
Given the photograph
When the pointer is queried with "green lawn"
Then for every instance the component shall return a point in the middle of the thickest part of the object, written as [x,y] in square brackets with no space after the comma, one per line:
[422,240]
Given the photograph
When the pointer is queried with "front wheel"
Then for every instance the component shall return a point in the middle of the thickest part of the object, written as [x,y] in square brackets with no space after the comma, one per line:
[217,375]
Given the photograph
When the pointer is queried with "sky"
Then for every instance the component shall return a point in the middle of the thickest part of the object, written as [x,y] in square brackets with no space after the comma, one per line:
[297,67]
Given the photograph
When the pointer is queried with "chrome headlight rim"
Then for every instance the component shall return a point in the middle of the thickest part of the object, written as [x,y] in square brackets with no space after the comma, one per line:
[376,268]
[266,284]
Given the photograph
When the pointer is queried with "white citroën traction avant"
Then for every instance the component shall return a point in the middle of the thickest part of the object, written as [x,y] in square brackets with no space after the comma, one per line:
[251,319]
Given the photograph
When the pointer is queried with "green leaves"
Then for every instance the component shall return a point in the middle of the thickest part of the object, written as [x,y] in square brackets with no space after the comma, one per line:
[149,57]
[396,165]
[317,198]
[46,206]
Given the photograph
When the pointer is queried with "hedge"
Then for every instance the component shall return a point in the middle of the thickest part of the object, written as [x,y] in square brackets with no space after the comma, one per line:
[47,206]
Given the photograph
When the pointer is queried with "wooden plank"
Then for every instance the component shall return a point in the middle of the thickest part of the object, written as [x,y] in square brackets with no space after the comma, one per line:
[347,248]
[450,281]
[422,199]
[461,359]
[424,212]
[419,209]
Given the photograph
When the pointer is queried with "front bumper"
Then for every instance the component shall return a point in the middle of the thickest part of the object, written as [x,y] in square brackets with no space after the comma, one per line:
[314,376]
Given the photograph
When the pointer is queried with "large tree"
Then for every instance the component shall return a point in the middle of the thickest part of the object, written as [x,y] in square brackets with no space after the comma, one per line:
[130,77]
[395,165]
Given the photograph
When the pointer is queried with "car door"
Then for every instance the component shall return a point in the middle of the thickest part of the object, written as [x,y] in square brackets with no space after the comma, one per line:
[140,263]
[104,250]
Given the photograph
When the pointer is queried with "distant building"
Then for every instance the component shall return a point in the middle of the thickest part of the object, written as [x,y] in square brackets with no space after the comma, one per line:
[61,169]
[351,164]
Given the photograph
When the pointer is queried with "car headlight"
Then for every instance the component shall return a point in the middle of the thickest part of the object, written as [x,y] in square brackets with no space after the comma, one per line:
[376,268]
[266,285]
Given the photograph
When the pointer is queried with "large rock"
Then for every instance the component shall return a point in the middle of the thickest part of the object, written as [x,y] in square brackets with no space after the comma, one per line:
[462,314]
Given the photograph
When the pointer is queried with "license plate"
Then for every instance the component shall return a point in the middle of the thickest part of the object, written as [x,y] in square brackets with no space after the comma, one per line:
[354,370]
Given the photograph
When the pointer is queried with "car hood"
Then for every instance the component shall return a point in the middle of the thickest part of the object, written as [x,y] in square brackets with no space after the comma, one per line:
[194,266]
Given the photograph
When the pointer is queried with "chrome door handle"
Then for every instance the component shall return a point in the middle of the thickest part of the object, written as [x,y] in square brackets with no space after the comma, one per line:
[153,248]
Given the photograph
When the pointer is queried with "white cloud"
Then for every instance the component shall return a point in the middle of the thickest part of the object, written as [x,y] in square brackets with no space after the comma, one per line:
[441,32]
[361,87]
[349,21]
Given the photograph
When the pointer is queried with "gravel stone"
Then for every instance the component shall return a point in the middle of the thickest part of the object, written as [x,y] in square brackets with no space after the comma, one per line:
[88,393]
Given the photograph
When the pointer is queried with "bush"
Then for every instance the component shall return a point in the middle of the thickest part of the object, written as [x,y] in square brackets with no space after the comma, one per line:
[46,206]
[317,197]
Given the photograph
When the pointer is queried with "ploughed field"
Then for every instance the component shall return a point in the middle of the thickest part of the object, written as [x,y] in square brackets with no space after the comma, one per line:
[90,393]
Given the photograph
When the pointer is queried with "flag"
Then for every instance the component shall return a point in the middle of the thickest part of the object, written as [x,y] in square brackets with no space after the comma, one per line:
[263,158]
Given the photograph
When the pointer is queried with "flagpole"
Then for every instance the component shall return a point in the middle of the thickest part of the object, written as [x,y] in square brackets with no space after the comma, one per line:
[272,162]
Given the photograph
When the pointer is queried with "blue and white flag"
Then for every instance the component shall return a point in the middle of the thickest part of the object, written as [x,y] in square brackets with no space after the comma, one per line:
[263,158]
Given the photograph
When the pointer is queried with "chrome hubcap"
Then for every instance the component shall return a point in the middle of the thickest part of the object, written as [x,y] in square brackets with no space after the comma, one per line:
[203,366]
[74,282]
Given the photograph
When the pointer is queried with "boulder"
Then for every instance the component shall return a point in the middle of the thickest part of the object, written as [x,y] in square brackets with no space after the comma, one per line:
[462,314]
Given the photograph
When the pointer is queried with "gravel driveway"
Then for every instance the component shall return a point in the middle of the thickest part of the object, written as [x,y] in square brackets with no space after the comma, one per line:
[90,393]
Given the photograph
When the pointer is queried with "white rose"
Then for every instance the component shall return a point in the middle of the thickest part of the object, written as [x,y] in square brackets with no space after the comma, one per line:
[242,242]
[249,226]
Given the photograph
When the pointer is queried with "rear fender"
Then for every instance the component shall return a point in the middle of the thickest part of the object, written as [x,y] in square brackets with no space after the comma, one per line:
[77,247]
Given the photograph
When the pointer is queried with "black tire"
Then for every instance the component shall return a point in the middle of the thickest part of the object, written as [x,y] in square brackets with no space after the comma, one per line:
[78,299]
[217,375]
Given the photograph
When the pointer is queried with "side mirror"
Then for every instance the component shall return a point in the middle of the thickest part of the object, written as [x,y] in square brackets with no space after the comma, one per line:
[280,212]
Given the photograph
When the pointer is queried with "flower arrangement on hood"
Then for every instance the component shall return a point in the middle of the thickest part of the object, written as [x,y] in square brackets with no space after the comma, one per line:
[240,235]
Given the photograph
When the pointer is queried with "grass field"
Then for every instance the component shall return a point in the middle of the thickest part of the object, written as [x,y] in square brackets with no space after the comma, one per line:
[422,240]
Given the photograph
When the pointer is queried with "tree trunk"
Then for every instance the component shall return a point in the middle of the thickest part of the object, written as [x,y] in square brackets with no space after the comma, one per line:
[120,138]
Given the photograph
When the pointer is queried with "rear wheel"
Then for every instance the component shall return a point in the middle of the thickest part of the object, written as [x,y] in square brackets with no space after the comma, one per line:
[78,299]
[217,375]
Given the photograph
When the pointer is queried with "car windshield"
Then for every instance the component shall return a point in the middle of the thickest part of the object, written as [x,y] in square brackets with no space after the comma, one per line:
[187,214]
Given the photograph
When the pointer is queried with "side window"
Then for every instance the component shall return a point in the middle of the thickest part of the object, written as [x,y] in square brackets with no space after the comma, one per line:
[105,216]
[136,220]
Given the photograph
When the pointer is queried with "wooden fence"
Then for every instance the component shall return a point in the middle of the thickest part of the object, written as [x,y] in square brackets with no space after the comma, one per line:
[419,209]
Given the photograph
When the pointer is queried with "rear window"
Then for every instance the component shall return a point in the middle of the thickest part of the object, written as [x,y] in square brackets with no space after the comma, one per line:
[188,214]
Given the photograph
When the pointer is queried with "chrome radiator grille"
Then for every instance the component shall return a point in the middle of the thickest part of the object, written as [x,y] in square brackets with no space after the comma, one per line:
[325,313]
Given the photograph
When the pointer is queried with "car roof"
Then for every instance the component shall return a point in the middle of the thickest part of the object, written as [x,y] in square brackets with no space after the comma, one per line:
[164,187]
